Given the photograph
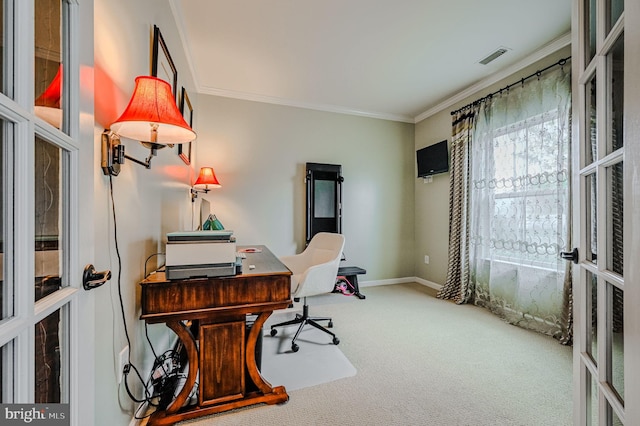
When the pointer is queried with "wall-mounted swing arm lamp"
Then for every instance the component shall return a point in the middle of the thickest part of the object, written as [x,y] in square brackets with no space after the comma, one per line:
[207,177]
[152,117]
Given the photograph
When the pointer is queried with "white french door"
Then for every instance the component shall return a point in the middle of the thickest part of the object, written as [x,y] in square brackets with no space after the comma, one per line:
[606,212]
[46,320]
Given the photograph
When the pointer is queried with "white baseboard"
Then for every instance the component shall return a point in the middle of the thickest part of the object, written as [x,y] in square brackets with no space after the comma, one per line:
[428,283]
[391,281]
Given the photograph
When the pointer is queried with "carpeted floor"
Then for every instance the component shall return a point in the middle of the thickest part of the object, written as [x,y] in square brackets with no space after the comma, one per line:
[425,361]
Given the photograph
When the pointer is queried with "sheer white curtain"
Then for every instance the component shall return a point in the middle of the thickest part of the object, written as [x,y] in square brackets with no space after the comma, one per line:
[520,204]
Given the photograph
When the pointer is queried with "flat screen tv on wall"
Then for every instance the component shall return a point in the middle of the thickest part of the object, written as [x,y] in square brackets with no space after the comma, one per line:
[433,159]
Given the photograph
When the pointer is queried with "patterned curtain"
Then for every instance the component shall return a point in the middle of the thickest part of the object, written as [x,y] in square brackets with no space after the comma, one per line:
[457,286]
[515,214]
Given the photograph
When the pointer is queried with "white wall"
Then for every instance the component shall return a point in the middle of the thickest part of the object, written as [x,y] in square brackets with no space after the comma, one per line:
[259,152]
[148,203]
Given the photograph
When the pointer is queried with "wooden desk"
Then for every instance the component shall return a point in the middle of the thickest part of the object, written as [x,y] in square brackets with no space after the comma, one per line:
[225,355]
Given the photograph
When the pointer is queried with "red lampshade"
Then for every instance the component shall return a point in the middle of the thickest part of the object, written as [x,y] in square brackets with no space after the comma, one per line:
[207,177]
[152,115]
[51,96]
[47,106]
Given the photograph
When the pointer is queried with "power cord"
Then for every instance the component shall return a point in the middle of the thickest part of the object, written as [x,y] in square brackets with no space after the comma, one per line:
[129,365]
[167,368]
[147,261]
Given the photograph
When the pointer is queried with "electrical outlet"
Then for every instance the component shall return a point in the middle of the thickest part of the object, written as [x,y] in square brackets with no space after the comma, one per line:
[426,259]
[123,360]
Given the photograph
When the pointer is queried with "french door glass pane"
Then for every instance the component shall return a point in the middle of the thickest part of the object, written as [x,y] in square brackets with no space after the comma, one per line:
[590,28]
[614,9]
[591,400]
[591,203]
[616,67]
[7,373]
[6,290]
[48,218]
[617,338]
[591,294]
[615,420]
[591,150]
[48,61]
[50,350]
[2,48]
[615,220]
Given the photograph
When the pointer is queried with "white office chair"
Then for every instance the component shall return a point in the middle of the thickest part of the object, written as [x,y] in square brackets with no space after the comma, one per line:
[314,272]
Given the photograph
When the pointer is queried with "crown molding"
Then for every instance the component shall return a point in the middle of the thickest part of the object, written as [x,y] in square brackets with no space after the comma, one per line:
[539,54]
[298,104]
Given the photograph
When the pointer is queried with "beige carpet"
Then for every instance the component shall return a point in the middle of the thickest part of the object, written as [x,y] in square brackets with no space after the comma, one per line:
[425,361]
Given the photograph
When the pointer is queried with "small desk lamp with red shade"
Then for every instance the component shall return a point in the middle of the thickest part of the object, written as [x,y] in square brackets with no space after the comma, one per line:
[207,177]
[152,117]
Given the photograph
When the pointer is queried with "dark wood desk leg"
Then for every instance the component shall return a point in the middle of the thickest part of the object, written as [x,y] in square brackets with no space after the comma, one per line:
[250,354]
[187,339]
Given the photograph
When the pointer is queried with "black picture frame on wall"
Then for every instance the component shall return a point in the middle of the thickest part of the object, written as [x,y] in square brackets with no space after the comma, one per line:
[184,149]
[162,65]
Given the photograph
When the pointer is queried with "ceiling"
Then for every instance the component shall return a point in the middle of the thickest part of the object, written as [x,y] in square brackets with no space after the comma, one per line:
[391,59]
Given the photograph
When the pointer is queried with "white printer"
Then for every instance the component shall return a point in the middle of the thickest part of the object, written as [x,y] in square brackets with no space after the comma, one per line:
[193,254]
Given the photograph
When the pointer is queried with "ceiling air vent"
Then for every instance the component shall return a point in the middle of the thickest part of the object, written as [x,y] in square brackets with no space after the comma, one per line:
[493,56]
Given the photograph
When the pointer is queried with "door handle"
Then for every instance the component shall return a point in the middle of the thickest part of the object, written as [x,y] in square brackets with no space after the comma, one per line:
[92,278]
[570,255]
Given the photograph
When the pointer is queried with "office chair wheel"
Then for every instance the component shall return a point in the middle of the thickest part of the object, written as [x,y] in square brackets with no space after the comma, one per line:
[294,347]
[330,325]
[336,340]
[274,331]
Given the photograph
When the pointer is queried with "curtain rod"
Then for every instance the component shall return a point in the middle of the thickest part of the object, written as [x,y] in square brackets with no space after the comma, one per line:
[538,73]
